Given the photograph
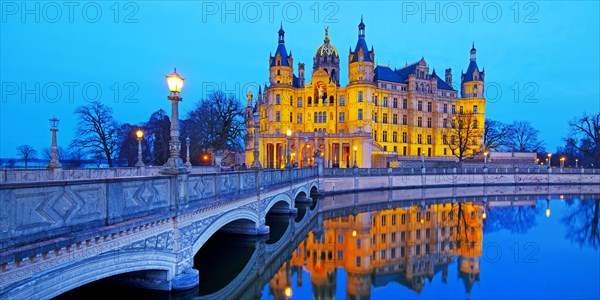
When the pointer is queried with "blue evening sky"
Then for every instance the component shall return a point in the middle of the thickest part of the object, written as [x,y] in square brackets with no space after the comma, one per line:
[541,58]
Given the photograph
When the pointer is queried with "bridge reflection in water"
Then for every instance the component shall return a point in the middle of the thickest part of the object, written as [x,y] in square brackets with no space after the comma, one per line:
[359,242]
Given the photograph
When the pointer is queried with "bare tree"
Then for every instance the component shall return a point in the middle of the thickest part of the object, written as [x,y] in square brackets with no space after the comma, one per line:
[495,135]
[584,136]
[157,136]
[523,137]
[462,135]
[26,152]
[97,131]
[217,123]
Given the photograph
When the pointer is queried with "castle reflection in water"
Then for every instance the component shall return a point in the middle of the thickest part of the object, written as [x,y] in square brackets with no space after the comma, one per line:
[403,245]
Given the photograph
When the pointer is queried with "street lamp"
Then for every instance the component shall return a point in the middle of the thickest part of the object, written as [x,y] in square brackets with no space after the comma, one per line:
[256,162]
[288,164]
[576,162]
[140,135]
[174,165]
[562,162]
[54,163]
[549,160]
[485,154]
[423,159]
[187,153]
[355,149]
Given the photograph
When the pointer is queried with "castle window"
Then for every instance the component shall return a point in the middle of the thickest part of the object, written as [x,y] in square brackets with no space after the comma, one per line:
[331,100]
[360,96]
[405,139]
[395,140]
[361,57]
[420,122]
[420,138]
[404,120]
[475,109]
[309,100]
[360,114]
[342,117]
[299,118]
[461,109]
[279,62]
[395,103]
[375,135]
[342,101]
[277,99]
[384,136]
[385,118]
[475,124]
[429,140]
[420,105]
[385,101]
[291,101]
[429,106]
[316,119]
[375,117]
[291,117]
[299,101]
[278,72]
[277,118]
[395,118]
[404,104]
[453,108]
[429,122]
[445,123]
[445,140]
[324,117]
[375,100]
[445,107]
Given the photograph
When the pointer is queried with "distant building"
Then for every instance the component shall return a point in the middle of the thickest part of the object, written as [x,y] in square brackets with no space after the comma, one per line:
[382,111]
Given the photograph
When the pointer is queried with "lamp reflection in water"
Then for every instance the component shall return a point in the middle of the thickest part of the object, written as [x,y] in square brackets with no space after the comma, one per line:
[548,207]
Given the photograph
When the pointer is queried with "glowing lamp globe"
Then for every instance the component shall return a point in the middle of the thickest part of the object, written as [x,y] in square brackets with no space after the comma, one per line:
[175,82]
[139,134]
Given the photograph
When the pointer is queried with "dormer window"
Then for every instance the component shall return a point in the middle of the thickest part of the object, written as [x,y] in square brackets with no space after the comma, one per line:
[361,57]
[279,62]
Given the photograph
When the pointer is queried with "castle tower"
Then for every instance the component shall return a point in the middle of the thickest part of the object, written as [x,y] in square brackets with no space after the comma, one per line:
[449,76]
[472,80]
[328,59]
[281,64]
[360,61]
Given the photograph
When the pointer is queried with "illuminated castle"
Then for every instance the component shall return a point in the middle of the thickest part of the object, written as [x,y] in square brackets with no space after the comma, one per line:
[381,113]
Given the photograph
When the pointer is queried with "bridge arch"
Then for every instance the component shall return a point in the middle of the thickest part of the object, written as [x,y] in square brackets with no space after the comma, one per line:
[277,199]
[62,280]
[222,221]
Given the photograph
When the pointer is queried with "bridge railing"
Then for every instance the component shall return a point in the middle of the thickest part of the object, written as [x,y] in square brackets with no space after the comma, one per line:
[437,171]
[40,175]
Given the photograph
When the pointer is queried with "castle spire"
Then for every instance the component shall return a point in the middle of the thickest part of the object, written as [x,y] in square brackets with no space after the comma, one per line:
[473,52]
[361,28]
[281,34]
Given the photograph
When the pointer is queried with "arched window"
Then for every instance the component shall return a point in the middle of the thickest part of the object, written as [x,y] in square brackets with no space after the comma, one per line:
[320,117]
[324,117]
[331,99]
[309,100]
[316,120]
[278,72]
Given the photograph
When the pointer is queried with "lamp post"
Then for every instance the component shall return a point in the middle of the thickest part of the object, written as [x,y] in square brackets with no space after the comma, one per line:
[549,160]
[256,162]
[355,164]
[423,159]
[576,162]
[562,162]
[54,163]
[188,164]
[140,135]
[174,164]
[288,134]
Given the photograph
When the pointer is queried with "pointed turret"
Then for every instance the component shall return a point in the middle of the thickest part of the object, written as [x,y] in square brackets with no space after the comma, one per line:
[281,64]
[361,59]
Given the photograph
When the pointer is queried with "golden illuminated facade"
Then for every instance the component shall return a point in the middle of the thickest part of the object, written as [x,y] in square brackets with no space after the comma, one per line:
[405,245]
[382,112]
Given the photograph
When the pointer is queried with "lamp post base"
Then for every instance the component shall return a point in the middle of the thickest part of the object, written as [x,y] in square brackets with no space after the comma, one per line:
[140,163]
[255,165]
[54,165]
[174,166]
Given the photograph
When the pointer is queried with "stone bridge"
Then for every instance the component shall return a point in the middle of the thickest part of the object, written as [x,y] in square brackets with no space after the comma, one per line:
[62,233]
